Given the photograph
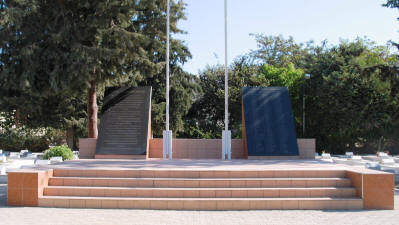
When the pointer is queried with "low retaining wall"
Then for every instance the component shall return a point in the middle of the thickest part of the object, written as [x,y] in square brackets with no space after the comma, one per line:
[199,149]
[212,149]
[25,186]
[376,188]
[87,148]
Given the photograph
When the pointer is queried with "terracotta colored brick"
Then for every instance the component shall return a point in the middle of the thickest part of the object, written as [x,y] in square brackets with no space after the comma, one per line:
[255,193]
[131,173]
[14,197]
[56,182]
[258,204]
[175,204]
[224,204]
[174,193]
[192,183]
[272,193]
[51,191]
[96,192]
[142,204]
[30,180]
[287,193]
[207,193]
[77,203]
[223,194]
[93,203]
[207,205]
[159,204]
[85,182]
[266,174]
[207,184]
[61,203]
[308,204]
[45,202]
[125,204]
[298,183]
[303,193]
[144,193]
[145,183]
[15,180]
[112,192]
[268,183]
[275,204]
[241,204]
[290,204]
[191,194]
[283,183]
[237,183]
[109,204]
[191,204]
[239,193]
[128,193]
[253,183]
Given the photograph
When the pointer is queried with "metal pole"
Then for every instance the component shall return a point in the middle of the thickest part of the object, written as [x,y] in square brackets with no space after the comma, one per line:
[303,114]
[167,63]
[226,74]
[226,134]
[167,134]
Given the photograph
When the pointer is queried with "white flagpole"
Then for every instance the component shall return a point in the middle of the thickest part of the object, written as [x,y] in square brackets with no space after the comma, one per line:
[167,64]
[226,135]
[167,134]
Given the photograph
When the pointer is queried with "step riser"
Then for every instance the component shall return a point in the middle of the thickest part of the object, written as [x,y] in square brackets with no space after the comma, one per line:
[200,193]
[203,204]
[195,183]
[199,174]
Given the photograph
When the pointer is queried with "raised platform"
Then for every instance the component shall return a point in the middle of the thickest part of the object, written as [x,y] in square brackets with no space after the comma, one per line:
[201,185]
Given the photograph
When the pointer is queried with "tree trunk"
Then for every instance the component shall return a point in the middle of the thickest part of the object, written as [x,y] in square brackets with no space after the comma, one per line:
[92,110]
[69,138]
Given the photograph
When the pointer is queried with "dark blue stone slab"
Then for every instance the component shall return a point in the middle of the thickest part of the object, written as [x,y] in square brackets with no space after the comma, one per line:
[269,123]
[124,121]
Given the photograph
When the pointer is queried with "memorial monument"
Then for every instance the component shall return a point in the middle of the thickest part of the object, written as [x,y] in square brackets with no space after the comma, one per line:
[125,123]
[268,123]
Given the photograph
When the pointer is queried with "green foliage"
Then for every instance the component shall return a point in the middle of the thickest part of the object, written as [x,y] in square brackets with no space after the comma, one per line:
[206,116]
[52,50]
[63,151]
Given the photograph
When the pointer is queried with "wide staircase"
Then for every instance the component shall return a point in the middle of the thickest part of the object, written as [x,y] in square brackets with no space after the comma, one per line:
[200,190]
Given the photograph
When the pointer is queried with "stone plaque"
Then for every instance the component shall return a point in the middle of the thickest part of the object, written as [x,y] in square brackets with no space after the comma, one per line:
[124,123]
[268,121]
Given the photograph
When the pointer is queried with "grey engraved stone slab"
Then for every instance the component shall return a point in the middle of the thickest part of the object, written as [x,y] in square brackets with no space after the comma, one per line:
[124,121]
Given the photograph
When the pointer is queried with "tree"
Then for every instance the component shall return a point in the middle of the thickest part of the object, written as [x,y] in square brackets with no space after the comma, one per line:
[66,47]
[350,95]
[206,116]
[278,51]
[289,77]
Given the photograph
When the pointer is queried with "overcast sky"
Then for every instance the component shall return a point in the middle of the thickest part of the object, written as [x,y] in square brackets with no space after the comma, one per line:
[303,19]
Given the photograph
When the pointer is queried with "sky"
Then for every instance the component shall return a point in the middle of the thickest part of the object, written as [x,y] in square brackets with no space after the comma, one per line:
[304,20]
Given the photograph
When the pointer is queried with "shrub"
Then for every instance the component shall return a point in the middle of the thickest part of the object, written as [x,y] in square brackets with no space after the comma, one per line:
[12,141]
[63,151]
[36,143]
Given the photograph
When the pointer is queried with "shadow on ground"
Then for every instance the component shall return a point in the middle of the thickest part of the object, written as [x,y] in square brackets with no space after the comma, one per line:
[3,194]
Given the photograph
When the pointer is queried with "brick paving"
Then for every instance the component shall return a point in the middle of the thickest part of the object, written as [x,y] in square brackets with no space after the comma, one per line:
[58,216]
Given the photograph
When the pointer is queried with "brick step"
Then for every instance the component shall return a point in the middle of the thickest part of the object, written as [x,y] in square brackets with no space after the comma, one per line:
[199,173]
[199,182]
[202,203]
[199,192]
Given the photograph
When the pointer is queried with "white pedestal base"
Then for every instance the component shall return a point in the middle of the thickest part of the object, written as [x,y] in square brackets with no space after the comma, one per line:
[226,144]
[167,144]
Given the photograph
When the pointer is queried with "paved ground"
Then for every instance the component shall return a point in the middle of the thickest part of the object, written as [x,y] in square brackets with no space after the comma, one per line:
[53,216]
